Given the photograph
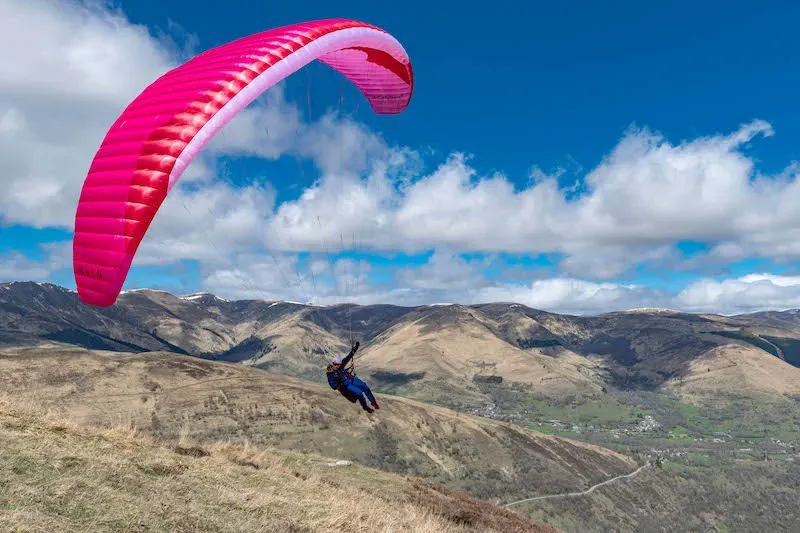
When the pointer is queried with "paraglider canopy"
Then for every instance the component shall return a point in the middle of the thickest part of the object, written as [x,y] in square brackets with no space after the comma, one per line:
[159,134]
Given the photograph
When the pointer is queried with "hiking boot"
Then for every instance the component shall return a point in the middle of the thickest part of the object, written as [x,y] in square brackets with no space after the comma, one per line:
[376,406]
[367,409]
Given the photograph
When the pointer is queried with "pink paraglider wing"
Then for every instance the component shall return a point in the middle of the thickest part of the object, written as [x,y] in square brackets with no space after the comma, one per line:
[159,134]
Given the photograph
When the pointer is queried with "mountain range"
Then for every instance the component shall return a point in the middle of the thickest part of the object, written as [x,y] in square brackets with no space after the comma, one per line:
[434,352]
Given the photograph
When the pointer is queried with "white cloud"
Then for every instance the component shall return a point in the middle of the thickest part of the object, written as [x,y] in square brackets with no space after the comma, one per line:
[18,267]
[568,295]
[753,292]
[207,224]
[267,128]
[445,277]
[444,271]
[341,146]
[15,266]
[780,281]
[452,208]
[643,198]
[66,71]
[342,209]
[647,194]
[615,260]
[648,190]
[284,277]
[258,276]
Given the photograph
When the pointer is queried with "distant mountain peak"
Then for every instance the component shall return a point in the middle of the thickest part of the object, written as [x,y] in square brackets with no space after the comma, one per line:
[661,310]
[45,284]
[201,295]
[145,289]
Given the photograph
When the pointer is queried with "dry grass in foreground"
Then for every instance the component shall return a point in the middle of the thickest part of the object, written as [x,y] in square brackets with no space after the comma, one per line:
[59,477]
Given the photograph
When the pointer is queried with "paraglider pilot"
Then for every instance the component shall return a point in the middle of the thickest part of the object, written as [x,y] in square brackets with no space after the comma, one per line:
[352,388]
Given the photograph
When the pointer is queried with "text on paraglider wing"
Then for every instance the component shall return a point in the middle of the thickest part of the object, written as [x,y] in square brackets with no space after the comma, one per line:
[89,271]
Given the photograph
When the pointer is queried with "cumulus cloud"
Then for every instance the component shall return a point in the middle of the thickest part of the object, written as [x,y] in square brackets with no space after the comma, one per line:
[568,295]
[750,293]
[267,128]
[445,278]
[66,71]
[344,209]
[207,224]
[15,266]
[645,196]
[258,277]
[444,271]
[18,267]
[648,190]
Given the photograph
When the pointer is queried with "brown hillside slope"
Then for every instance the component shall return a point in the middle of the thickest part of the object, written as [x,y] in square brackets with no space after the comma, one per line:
[169,395]
[273,335]
[452,344]
[62,477]
[737,368]
[288,345]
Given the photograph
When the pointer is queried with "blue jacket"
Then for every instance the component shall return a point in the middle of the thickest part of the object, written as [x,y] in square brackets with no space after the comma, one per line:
[337,374]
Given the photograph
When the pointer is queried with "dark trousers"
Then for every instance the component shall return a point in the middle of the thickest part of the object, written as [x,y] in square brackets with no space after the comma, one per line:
[357,389]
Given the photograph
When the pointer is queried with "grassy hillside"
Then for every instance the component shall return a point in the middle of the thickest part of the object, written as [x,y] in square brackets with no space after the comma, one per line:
[698,492]
[169,395]
[713,453]
[722,463]
[714,399]
[61,477]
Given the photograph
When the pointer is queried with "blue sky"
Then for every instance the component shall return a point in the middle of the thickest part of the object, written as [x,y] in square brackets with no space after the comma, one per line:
[645,150]
[552,82]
